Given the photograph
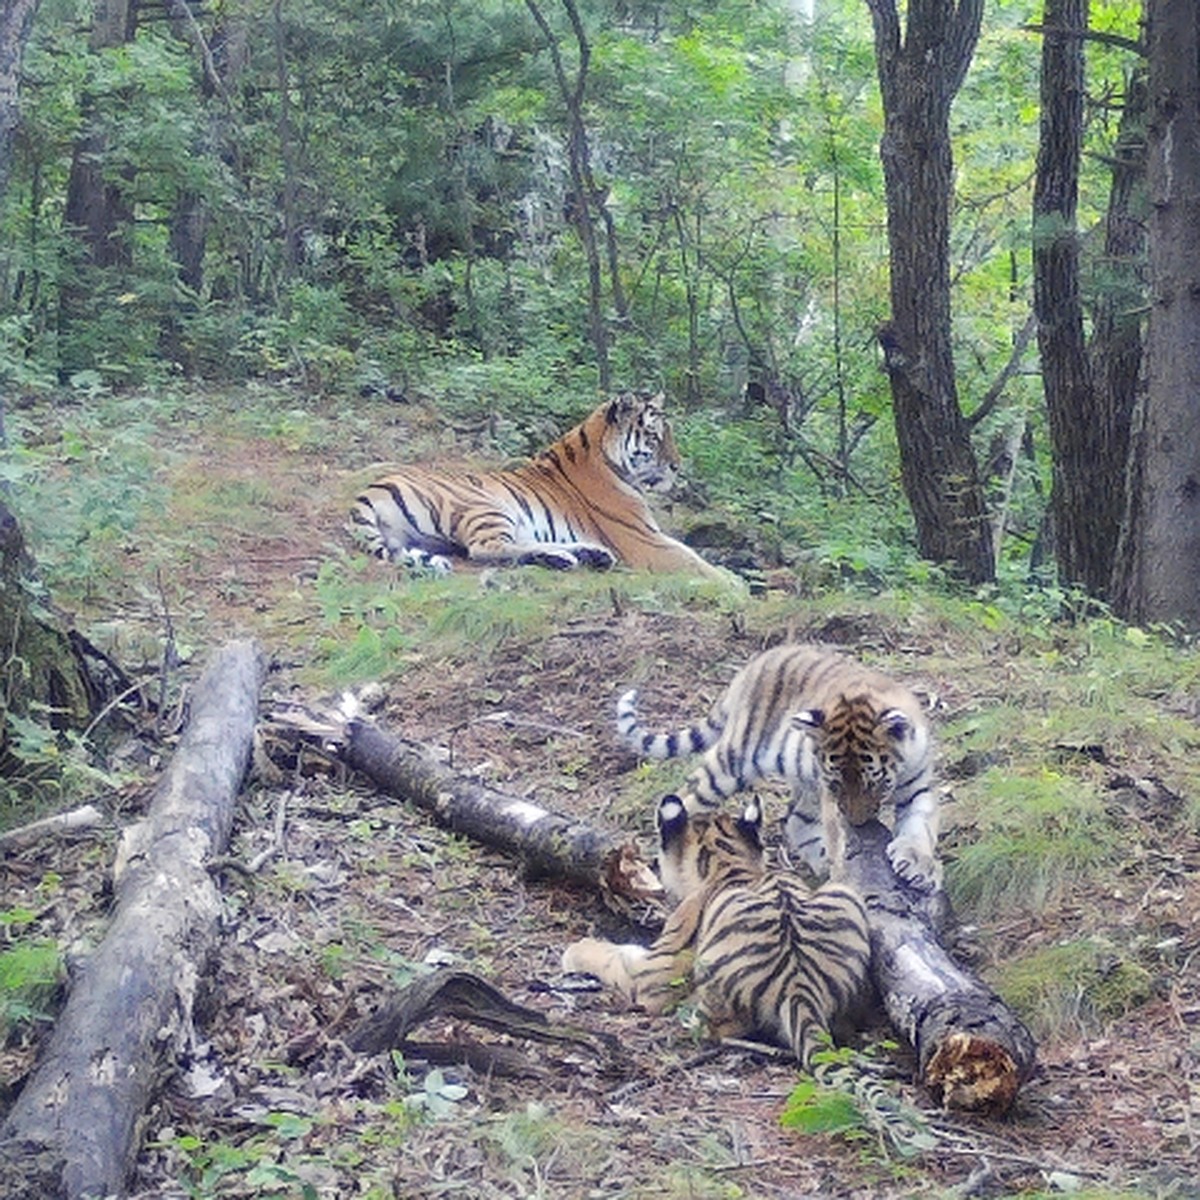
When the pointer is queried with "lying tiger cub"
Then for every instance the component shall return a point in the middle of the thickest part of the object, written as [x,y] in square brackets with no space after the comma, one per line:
[578,503]
[761,952]
[846,737]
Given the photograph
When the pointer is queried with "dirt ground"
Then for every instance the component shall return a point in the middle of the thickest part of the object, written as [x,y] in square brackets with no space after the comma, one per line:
[363,892]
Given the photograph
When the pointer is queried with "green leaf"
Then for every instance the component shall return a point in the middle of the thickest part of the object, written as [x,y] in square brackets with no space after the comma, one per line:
[812,1108]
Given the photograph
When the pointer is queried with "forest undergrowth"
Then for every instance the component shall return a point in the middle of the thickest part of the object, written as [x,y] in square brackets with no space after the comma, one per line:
[1071,831]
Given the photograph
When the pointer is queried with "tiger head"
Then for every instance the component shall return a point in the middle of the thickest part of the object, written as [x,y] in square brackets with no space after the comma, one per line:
[861,750]
[637,442]
[695,850]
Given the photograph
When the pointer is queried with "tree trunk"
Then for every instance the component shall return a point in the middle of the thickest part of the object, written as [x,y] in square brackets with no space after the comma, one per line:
[918,79]
[973,1053]
[582,184]
[1157,576]
[74,1129]
[40,664]
[1084,504]
[96,211]
[16,20]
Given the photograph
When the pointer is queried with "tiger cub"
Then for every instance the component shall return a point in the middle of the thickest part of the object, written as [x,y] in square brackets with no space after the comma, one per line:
[847,738]
[760,951]
[578,503]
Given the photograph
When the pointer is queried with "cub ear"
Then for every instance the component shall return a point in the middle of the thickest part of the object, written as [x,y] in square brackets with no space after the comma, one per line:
[896,724]
[750,823]
[808,718]
[672,818]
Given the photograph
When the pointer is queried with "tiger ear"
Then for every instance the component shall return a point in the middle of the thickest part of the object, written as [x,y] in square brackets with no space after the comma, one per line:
[620,407]
[808,718]
[750,822]
[672,818]
[895,724]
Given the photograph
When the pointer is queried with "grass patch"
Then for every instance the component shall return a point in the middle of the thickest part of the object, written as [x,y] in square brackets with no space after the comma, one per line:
[1072,988]
[1025,837]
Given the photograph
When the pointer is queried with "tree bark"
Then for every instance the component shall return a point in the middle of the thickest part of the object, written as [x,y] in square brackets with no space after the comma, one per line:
[973,1053]
[1161,564]
[919,77]
[73,1131]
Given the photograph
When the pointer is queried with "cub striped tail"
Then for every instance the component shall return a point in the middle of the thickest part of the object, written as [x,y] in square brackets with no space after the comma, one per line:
[691,739]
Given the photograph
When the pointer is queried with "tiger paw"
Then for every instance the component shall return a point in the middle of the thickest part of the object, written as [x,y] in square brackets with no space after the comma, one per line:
[555,558]
[599,558]
[914,866]
[582,957]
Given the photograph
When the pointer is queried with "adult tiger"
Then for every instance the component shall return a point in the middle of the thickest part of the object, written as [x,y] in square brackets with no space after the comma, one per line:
[577,503]
[847,738]
[760,951]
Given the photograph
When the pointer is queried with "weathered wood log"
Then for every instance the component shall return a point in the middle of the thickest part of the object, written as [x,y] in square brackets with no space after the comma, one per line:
[73,1131]
[973,1052]
[547,843]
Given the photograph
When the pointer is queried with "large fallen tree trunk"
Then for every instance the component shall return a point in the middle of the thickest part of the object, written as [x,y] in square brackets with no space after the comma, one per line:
[973,1053]
[73,1130]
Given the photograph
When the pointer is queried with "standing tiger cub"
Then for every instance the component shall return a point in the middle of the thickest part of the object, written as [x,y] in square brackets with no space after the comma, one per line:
[578,503]
[847,738]
[759,951]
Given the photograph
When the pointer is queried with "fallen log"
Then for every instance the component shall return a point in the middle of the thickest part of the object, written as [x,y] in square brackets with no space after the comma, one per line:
[547,843]
[973,1053]
[73,1131]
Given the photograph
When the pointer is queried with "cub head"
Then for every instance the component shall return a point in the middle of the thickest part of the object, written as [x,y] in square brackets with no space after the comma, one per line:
[861,751]
[696,849]
[636,439]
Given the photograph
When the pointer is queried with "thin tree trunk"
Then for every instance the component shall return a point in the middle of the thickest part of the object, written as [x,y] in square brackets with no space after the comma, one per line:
[74,1129]
[919,77]
[582,183]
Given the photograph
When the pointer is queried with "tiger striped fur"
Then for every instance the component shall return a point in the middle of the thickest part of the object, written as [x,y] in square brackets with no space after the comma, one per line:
[759,951]
[847,738]
[577,503]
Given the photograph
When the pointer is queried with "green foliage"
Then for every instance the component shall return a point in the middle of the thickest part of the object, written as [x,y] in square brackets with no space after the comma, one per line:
[1073,987]
[31,971]
[846,1096]
[1033,835]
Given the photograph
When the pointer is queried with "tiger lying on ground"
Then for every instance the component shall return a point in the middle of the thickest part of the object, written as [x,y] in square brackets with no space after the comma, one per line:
[761,952]
[578,503]
[847,738]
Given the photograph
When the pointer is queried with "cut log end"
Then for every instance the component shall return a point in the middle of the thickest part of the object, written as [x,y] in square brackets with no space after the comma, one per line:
[970,1073]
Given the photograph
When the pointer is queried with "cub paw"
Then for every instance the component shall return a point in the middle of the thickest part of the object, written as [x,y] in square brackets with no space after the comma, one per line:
[582,957]
[914,866]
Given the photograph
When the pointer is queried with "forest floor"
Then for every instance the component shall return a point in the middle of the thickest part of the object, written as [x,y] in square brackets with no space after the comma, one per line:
[363,892]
